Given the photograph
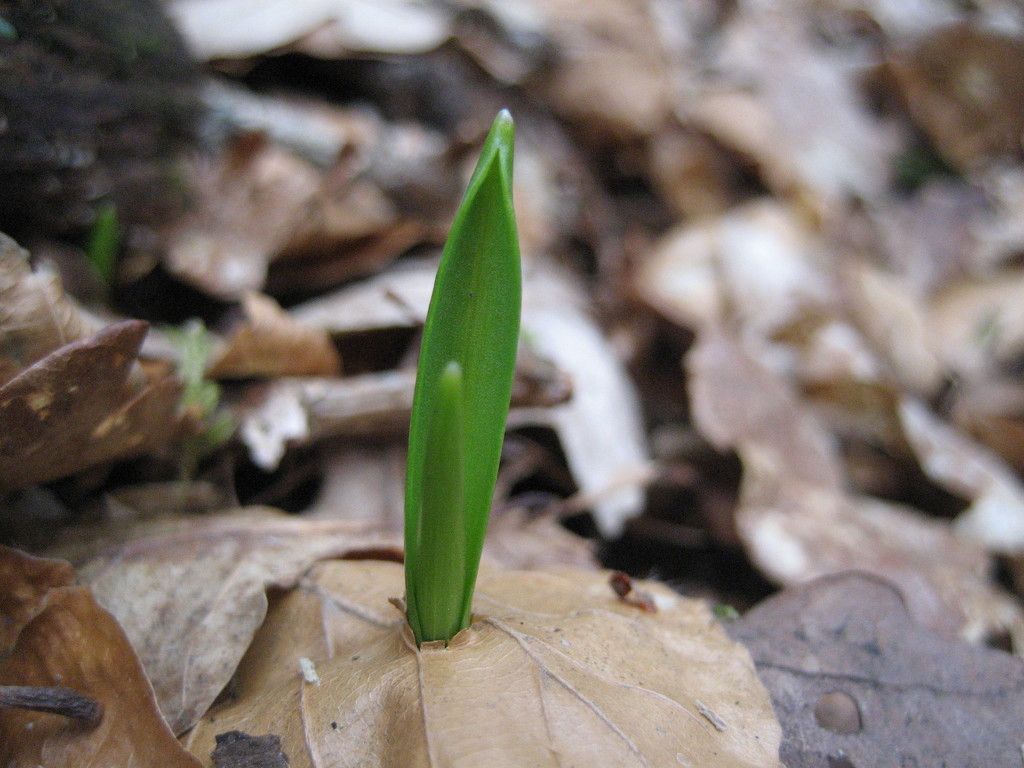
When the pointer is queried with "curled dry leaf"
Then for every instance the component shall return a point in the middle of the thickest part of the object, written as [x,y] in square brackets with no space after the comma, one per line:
[190,593]
[70,641]
[855,681]
[269,342]
[555,670]
[36,316]
[297,411]
[600,428]
[796,518]
[75,409]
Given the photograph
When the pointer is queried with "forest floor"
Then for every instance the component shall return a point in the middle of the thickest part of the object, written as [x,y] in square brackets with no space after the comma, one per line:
[771,351]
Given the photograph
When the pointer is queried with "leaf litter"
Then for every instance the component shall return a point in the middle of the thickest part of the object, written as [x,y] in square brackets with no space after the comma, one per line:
[829,244]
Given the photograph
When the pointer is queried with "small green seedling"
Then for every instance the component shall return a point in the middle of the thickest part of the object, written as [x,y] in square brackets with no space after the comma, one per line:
[104,242]
[463,386]
[199,395]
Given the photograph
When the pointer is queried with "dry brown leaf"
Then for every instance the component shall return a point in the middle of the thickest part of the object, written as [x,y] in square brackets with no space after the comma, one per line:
[895,324]
[36,316]
[25,582]
[71,642]
[992,411]
[74,409]
[796,518]
[555,670]
[190,592]
[269,342]
[963,87]
[856,682]
[612,74]
[248,204]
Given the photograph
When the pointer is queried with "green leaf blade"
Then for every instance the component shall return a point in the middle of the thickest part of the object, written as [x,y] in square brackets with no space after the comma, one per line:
[473,320]
[442,527]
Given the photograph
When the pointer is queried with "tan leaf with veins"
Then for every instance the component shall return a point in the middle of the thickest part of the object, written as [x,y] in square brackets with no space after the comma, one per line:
[191,592]
[556,670]
[73,643]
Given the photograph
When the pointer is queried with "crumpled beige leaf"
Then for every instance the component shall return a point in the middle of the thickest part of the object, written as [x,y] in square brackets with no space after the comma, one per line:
[269,342]
[36,316]
[63,638]
[190,592]
[75,409]
[555,670]
[798,521]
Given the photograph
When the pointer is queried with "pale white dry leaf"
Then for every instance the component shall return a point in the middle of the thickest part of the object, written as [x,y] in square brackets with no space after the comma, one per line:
[600,428]
[328,28]
[362,482]
[279,420]
[995,516]
[556,670]
[396,298]
[757,265]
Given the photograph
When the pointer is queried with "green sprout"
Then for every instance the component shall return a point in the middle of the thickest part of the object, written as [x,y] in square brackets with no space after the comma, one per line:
[463,386]
[200,396]
[104,242]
